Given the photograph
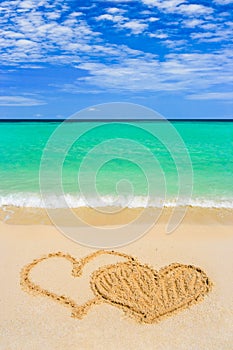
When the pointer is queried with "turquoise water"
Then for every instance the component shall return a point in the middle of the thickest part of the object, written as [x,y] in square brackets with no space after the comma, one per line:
[94,165]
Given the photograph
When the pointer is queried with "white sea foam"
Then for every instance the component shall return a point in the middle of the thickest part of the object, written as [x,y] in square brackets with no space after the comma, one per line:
[52,201]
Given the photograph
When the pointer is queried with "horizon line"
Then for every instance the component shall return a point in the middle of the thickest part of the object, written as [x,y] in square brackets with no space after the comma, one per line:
[4,120]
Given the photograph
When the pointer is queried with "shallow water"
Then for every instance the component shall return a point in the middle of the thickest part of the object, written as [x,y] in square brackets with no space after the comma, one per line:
[102,155]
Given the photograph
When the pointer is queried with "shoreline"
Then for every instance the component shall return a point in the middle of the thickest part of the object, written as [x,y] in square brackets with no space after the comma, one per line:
[114,216]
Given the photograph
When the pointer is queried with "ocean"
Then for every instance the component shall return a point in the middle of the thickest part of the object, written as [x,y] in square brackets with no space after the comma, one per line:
[116,164]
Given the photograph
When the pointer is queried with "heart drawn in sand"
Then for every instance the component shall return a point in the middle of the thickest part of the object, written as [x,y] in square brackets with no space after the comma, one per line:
[140,291]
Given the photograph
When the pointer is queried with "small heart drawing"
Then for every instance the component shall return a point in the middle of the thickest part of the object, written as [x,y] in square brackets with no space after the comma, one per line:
[140,291]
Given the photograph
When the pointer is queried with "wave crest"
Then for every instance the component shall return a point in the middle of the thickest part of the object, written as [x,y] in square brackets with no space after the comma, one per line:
[34,200]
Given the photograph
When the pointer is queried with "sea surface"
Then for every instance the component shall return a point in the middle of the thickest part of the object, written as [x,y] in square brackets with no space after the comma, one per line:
[136,164]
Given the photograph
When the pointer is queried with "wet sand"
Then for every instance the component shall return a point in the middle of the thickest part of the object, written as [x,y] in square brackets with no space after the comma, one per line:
[32,216]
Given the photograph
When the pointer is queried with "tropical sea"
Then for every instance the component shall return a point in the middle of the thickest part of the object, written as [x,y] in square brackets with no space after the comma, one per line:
[116,164]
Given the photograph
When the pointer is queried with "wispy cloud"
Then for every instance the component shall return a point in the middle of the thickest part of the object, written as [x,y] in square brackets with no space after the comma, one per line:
[178,72]
[214,32]
[167,5]
[192,23]
[212,96]
[121,22]
[37,33]
[179,6]
[13,101]
[194,9]
[49,31]
[223,2]
[166,53]
[135,26]
[115,10]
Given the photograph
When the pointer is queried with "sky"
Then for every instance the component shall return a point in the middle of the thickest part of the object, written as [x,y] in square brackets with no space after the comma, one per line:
[60,56]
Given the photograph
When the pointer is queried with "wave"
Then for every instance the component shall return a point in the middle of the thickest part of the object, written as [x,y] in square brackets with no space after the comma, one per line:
[34,200]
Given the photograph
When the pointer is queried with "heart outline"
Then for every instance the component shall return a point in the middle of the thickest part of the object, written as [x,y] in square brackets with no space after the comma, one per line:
[132,264]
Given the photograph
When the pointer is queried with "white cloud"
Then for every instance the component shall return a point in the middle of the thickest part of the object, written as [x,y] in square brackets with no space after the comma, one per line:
[108,17]
[152,19]
[14,101]
[38,36]
[53,15]
[158,35]
[12,35]
[175,45]
[121,22]
[26,4]
[192,23]
[114,10]
[25,66]
[178,72]
[25,43]
[163,4]
[76,14]
[209,26]
[179,6]
[136,27]
[116,1]
[35,33]
[93,109]
[223,2]
[212,96]
[217,32]
[194,9]
[202,35]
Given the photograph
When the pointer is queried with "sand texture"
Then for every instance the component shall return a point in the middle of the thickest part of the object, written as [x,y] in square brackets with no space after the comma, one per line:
[137,299]
[141,291]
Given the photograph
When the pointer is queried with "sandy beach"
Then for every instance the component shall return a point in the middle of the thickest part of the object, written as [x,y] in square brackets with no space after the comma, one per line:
[34,322]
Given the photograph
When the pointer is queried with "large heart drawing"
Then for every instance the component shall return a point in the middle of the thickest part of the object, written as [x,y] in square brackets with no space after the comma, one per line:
[140,291]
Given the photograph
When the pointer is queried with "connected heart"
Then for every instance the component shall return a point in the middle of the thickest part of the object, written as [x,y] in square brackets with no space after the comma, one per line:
[143,293]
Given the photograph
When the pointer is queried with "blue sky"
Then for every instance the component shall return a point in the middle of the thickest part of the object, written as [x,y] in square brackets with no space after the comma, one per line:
[59,56]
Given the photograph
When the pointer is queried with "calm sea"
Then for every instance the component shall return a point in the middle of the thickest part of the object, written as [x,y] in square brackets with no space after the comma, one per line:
[116,164]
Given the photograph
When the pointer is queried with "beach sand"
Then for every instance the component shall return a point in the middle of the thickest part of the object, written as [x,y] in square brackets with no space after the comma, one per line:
[204,239]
